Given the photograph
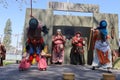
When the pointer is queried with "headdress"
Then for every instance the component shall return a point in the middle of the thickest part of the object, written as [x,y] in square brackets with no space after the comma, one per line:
[102,25]
[33,23]
[78,32]
[58,30]
[102,29]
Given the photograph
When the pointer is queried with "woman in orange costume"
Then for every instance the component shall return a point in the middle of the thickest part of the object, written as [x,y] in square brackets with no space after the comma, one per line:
[101,48]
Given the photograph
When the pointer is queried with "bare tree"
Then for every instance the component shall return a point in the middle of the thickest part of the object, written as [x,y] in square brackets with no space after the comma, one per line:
[5,3]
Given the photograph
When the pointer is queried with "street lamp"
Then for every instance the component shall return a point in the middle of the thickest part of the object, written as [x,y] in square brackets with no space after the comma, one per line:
[17,37]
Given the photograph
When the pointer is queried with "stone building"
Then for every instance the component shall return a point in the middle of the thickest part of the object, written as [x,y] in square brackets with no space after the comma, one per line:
[69,24]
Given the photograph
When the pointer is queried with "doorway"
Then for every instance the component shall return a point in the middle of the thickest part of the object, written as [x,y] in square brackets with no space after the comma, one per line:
[68,32]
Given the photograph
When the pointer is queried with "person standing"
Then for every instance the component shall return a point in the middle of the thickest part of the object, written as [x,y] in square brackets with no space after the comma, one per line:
[2,53]
[101,49]
[58,42]
[77,51]
[34,45]
[119,47]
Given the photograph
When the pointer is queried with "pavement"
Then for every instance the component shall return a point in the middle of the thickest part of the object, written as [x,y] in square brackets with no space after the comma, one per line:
[54,72]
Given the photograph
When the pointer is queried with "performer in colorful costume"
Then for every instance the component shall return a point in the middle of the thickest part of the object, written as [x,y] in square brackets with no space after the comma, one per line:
[58,42]
[2,53]
[101,48]
[34,45]
[77,51]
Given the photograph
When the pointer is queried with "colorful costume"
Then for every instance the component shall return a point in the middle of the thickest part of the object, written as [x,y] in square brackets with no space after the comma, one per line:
[2,54]
[34,45]
[101,48]
[77,52]
[58,41]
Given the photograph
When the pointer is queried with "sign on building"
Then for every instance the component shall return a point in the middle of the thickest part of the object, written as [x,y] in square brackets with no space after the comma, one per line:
[62,6]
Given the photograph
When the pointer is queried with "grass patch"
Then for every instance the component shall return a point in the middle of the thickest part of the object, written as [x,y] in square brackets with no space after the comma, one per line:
[116,64]
[8,62]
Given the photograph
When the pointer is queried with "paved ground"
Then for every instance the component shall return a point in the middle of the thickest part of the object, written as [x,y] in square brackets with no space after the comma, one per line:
[54,72]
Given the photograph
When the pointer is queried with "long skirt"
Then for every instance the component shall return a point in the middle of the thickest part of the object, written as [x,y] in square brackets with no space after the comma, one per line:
[58,54]
[96,61]
[58,57]
[1,62]
[76,57]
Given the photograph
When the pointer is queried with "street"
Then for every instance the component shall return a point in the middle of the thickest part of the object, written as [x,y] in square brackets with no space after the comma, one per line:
[54,72]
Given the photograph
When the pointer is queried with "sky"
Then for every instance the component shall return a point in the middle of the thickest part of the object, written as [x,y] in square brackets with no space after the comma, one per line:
[17,15]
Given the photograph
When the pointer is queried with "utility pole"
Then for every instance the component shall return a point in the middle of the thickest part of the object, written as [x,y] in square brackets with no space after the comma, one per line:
[16,49]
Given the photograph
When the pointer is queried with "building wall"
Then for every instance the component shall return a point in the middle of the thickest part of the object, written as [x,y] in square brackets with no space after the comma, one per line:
[72,20]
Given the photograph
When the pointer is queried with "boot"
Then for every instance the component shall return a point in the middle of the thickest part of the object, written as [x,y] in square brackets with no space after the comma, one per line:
[93,68]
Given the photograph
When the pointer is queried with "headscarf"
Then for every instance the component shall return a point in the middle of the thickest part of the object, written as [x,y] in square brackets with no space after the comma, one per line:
[58,30]
[103,30]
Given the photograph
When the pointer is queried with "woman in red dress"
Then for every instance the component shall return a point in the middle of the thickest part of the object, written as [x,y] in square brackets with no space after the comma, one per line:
[58,41]
[77,52]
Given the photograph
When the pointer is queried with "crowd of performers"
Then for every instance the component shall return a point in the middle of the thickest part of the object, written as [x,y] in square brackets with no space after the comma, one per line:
[102,55]
[35,48]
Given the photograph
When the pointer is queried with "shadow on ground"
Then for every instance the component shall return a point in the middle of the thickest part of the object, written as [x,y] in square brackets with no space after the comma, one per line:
[54,72]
